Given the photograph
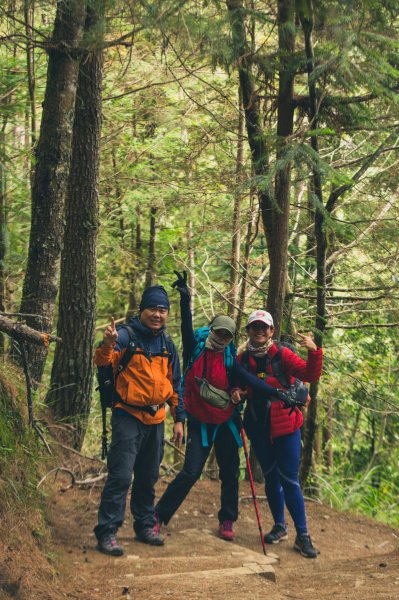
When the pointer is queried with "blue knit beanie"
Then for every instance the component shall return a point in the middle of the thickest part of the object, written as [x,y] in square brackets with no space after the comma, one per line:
[154,296]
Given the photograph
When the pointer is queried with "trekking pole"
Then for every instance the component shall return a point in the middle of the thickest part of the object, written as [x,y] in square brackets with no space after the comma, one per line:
[244,443]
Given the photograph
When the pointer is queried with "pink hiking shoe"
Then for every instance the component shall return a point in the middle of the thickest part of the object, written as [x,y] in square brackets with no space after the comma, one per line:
[226,531]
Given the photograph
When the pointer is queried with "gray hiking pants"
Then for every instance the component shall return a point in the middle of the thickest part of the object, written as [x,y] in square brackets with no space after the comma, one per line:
[135,449]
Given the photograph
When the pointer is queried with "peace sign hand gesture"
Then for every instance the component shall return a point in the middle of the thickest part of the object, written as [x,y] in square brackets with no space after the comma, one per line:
[181,283]
[110,334]
[306,341]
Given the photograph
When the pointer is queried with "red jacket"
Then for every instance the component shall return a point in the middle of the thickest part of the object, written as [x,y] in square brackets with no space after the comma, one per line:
[216,375]
[281,423]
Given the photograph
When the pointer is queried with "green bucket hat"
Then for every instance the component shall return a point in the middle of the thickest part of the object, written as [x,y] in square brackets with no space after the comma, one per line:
[224,322]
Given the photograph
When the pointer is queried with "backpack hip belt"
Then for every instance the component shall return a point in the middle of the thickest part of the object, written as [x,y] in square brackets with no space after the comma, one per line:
[151,409]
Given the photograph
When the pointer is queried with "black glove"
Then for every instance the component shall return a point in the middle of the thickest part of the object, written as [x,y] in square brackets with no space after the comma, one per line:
[181,283]
[286,398]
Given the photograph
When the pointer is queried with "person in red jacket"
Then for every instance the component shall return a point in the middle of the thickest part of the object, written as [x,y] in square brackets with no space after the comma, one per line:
[274,430]
[212,418]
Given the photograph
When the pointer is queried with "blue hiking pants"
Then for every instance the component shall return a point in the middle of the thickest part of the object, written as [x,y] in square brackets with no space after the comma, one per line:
[136,449]
[279,461]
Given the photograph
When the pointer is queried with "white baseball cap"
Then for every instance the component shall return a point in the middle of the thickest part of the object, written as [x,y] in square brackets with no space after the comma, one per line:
[262,316]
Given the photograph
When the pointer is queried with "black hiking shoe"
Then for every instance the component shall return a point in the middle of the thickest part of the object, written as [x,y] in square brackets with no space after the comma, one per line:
[304,545]
[151,536]
[109,545]
[277,534]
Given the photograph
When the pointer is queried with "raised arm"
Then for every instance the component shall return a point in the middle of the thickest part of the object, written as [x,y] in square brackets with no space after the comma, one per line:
[186,317]
[306,370]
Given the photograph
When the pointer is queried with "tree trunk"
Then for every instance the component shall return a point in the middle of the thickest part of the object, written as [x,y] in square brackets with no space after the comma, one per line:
[354,433]
[276,229]
[275,211]
[191,264]
[72,372]
[249,240]
[305,9]
[51,176]
[149,275]
[117,210]
[137,265]
[328,453]
[29,15]
[236,237]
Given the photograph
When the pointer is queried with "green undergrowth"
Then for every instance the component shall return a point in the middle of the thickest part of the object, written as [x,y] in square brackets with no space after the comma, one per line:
[21,456]
[27,566]
[373,493]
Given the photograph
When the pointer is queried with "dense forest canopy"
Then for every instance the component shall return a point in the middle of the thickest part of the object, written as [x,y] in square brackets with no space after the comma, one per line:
[253,144]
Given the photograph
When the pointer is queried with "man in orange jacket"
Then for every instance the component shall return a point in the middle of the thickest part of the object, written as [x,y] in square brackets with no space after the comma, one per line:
[150,380]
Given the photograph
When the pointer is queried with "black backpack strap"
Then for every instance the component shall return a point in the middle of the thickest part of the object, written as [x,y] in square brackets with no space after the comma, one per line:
[130,350]
[169,345]
[259,411]
[277,367]
[245,360]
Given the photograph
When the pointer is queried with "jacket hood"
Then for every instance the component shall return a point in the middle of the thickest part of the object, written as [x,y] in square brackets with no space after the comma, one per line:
[143,330]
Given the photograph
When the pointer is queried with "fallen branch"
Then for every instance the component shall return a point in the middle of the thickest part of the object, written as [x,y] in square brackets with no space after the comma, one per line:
[251,498]
[56,470]
[364,326]
[74,481]
[169,470]
[23,333]
[93,458]
[175,447]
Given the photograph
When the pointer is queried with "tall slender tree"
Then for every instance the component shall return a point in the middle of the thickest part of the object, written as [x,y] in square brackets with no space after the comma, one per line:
[274,203]
[72,371]
[53,157]
[236,237]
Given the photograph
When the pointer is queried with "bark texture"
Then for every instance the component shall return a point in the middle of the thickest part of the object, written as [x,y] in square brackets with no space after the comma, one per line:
[236,233]
[274,207]
[276,215]
[51,175]
[72,372]
[305,11]
[23,333]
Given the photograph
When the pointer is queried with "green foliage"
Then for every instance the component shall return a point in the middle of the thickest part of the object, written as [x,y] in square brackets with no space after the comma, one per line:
[360,493]
[169,143]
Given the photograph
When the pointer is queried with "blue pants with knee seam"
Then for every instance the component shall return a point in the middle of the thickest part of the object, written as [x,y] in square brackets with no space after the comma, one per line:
[279,460]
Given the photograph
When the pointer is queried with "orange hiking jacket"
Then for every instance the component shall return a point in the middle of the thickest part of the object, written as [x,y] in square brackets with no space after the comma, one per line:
[147,380]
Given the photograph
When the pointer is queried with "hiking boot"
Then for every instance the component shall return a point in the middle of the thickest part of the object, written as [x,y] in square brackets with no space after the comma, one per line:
[150,536]
[108,544]
[304,545]
[277,534]
[226,530]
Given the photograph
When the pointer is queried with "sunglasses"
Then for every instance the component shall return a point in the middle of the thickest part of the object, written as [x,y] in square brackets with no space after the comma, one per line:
[259,326]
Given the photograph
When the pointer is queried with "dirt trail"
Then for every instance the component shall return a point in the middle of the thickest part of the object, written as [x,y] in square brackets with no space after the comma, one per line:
[359,559]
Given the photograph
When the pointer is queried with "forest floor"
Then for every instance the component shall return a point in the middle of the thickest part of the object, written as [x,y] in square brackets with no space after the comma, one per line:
[359,558]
